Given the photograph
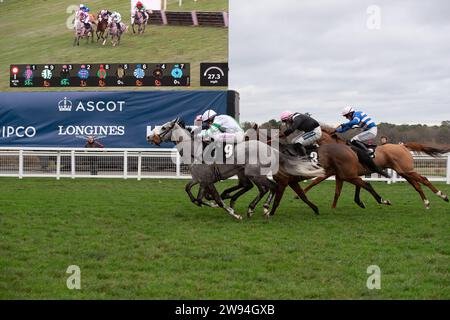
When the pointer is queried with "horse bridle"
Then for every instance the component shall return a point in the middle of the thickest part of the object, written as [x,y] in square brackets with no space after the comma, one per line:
[166,131]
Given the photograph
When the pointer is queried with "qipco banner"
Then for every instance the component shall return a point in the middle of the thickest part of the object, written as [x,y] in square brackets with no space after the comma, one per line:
[116,119]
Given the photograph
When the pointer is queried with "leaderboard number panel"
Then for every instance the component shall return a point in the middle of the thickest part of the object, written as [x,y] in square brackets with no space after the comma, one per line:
[101,75]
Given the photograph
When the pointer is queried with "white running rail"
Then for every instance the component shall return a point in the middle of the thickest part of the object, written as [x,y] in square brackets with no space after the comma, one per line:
[24,162]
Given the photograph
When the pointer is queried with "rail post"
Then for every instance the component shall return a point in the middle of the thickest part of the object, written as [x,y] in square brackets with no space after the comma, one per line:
[448,168]
[20,164]
[72,164]
[58,165]
[178,164]
[139,168]
[125,164]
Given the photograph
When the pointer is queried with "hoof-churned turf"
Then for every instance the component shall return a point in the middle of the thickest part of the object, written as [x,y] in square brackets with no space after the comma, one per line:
[144,239]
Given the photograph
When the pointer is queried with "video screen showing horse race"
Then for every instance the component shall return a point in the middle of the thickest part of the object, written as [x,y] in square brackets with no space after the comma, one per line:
[135,164]
[62,45]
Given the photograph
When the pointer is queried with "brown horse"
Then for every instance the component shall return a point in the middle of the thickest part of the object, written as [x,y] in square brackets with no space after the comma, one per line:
[102,25]
[336,159]
[393,156]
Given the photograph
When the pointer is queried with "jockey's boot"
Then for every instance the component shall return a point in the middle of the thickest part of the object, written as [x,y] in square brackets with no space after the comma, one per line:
[364,156]
[300,149]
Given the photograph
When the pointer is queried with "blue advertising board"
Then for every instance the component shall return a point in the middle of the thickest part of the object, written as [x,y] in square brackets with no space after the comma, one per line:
[116,119]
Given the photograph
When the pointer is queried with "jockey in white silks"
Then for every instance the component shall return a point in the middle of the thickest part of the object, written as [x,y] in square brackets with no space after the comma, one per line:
[222,128]
[117,18]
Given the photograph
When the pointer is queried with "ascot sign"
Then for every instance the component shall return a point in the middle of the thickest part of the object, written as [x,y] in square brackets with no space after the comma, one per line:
[66,105]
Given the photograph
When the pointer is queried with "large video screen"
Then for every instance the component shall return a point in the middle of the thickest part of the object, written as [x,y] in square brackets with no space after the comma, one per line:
[146,44]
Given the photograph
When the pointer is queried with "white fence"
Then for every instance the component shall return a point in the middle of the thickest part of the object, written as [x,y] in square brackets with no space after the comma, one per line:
[144,163]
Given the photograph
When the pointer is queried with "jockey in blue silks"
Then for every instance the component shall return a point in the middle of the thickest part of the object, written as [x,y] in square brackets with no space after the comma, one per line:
[361,120]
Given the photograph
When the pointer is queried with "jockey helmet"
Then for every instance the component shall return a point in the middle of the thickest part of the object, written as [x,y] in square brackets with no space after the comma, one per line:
[347,110]
[208,115]
[286,115]
[198,118]
[81,6]
[139,4]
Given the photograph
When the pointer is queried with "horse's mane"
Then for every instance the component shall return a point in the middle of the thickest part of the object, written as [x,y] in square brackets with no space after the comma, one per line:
[327,128]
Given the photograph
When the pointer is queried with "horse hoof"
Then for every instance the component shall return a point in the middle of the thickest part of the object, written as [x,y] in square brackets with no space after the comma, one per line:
[316,211]
[427,204]
[249,213]
[387,203]
[238,217]
[361,205]
[266,212]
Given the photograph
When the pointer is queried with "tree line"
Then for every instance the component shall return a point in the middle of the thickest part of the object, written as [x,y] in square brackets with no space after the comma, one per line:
[421,133]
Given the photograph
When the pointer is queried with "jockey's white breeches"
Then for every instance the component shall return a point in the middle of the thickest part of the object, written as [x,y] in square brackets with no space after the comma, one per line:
[366,135]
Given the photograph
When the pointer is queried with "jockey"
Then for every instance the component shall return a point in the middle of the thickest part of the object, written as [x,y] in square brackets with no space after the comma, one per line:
[84,16]
[139,7]
[302,122]
[221,128]
[117,18]
[104,14]
[363,121]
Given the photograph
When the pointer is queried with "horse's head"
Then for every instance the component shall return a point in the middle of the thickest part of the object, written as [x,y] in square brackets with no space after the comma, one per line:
[170,131]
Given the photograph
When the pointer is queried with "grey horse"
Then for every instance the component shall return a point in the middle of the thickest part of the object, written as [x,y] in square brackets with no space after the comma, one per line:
[256,170]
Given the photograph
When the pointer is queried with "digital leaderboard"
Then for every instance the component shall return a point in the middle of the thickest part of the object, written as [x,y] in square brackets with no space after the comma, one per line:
[101,75]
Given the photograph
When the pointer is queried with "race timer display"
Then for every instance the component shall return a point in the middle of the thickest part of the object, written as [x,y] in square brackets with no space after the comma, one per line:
[100,75]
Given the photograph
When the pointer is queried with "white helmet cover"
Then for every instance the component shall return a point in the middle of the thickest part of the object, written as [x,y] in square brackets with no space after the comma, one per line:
[347,110]
[208,114]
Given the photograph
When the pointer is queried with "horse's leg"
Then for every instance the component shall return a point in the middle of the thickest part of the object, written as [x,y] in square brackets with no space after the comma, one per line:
[427,183]
[134,31]
[301,194]
[315,182]
[188,188]
[273,187]
[213,191]
[413,181]
[357,181]
[263,188]
[337,192]
[357,198]
[226,194]
[281,186]
[244,189]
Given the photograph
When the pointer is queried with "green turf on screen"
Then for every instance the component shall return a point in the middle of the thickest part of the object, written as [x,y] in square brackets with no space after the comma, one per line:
[35,31]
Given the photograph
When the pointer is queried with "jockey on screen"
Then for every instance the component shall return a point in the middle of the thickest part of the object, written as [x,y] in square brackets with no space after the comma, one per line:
[83,16]
[117,18]
[221,128]
[139,7]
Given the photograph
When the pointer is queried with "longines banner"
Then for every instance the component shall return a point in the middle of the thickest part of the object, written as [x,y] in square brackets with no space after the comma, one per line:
[116,119]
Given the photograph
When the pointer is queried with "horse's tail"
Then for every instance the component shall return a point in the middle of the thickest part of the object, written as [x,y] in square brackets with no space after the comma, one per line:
[434,152]
[300,166]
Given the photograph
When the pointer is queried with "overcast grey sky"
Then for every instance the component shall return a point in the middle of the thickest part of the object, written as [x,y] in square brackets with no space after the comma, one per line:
[318,56]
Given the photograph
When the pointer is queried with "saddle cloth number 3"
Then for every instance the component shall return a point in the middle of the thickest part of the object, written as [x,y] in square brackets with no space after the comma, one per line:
[314,157]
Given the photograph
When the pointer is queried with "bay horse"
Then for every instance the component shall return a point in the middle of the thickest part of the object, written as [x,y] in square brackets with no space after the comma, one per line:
[339,160]
[102,25]
[389,156]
